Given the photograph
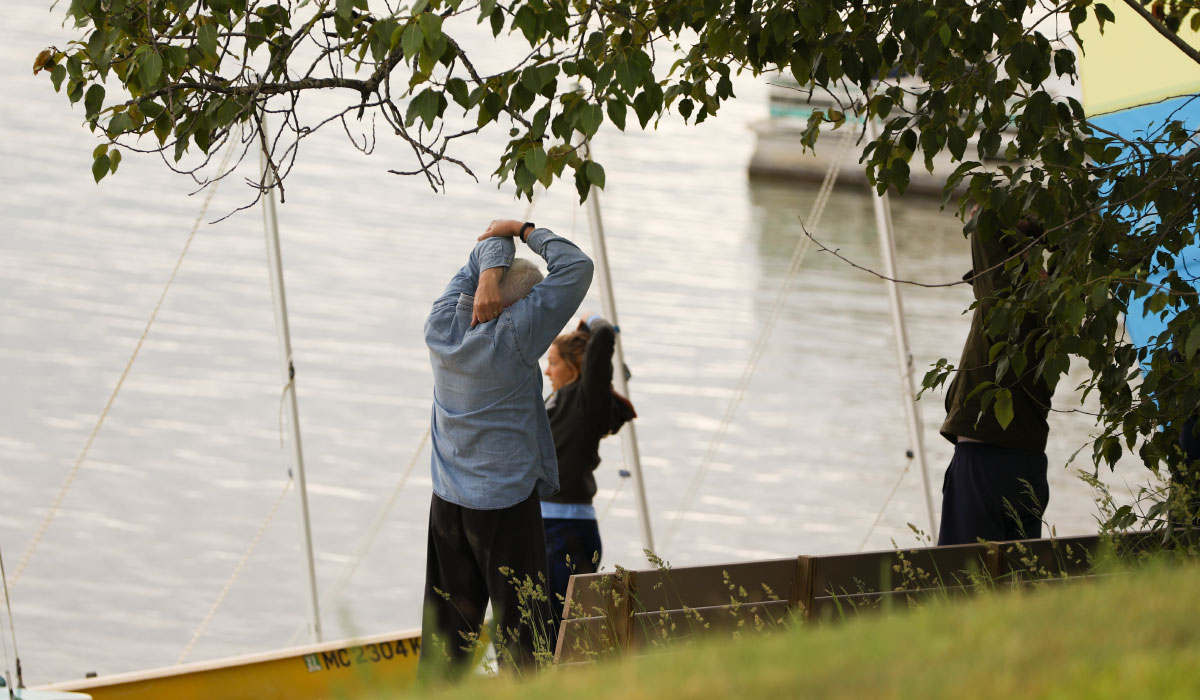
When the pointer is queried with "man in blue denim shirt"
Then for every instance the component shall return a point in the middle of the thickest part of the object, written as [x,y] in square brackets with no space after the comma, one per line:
[493,454]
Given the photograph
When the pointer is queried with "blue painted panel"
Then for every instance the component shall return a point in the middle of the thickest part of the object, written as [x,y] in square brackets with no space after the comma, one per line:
[1141,122]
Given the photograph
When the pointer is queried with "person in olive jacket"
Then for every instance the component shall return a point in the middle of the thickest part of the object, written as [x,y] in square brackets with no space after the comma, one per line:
[583,409]
[996,485]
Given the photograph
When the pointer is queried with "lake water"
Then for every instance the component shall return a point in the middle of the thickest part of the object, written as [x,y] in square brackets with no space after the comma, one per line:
[189,461]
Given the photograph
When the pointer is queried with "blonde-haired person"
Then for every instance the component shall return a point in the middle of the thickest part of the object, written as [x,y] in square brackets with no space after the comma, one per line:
[583,409]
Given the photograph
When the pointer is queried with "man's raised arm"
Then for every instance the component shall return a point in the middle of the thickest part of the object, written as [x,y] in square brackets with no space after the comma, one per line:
[488,259]
[541,315]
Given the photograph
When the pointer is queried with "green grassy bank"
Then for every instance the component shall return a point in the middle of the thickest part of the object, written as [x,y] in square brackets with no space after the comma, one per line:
[1133,635]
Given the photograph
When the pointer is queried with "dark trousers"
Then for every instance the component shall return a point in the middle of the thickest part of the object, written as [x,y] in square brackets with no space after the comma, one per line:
[572,547]
[1185,478]
[993,493]
[476,556]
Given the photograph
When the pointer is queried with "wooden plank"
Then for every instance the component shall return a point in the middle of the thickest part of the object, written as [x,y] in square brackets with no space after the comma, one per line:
[589,595]
[913,569]
[686,586]
[592,638]
[625,610]
[802,588]
[585,639]
[833,608]
[1047,558]
[665,626]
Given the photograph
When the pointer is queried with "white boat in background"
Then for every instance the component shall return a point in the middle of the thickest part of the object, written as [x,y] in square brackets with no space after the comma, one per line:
[780,154]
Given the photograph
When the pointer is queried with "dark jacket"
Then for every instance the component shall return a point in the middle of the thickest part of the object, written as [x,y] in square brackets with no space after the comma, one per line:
[1030,398]
[582,413]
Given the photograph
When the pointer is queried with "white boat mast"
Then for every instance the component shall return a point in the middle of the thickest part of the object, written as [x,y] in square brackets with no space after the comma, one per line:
[887,247]
[628,432]
[275,263]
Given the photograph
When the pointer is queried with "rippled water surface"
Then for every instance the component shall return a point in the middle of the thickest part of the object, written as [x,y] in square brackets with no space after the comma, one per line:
[189,462]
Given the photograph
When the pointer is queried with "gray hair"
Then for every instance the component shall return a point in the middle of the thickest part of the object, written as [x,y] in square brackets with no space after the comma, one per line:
[518,280]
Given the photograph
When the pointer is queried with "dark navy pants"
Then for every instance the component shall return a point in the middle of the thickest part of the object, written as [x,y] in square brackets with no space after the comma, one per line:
[580,541]
[993,493]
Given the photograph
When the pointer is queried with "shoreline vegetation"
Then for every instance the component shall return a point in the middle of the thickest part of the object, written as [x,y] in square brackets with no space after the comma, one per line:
[1133,633]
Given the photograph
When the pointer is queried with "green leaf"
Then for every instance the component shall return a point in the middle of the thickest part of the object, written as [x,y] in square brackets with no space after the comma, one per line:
[595,173]
[1076,307]
[524,179]
[616,113]
[457,87]
[100,167]
[150,70]
[162,127]
[1193,343]
[93,100]
[1157,302]
[57,76]
[535,160]
[685,107]
[590,117]
[412,40]
[497,21]
[428,106]
[644,108]
[526,19]
[114,157]
[96,45]
[119,124]
[956,138]
[206,37]
[581,184]
[1003,407]
[531,78]
[431,30]
[227,112]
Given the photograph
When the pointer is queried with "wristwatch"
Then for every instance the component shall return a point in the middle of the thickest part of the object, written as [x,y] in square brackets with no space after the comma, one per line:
[527,225]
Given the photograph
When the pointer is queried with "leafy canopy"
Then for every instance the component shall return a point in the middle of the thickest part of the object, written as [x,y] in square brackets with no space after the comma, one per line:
[967,78]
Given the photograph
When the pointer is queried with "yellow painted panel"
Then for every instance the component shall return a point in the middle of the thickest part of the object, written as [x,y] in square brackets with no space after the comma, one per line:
[1132,64]
[382,666]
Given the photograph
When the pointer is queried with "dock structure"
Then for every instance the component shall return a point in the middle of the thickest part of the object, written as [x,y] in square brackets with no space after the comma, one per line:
[629,611]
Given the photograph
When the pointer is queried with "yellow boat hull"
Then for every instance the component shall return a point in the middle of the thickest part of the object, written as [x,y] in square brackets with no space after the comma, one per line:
[377,665]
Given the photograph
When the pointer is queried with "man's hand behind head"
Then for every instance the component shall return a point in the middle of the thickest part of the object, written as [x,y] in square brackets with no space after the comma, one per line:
[488,303]
[502,227]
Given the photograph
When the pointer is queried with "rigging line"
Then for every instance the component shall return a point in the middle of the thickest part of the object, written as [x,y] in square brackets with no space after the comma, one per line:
[13,632]
[66,485]
[802,245]
[887,502]
[613,500]
[237,570]
[334,592]
[376,524]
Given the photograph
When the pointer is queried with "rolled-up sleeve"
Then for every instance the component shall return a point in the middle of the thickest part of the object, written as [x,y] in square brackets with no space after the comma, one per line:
[492,252]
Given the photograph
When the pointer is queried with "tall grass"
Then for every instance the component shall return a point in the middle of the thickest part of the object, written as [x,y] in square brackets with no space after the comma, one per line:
[1122,636]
